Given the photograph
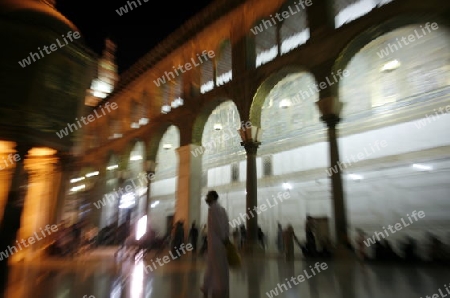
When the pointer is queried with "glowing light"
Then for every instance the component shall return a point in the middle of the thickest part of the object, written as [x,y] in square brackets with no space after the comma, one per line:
[422,167]
[143,121]
[134,125]
[165,109]
[110,168]
[99,94]
[287,186]
[77,188]
[43,151]
[137,281]
[75,180]
[390,66]
[217,126]
[285,103]
[141,227]
[96,173]
[355,177]
[136,157]
[167,146]
[177,102]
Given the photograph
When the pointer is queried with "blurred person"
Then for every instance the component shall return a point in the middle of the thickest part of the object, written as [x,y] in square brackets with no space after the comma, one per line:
[360,246]
[261,238]
[76,238]
[178,237]
[243,232]
[289,237]
[280,242]
[216,280]
[310,238]
[204,246]
[193,237]
[236,236]
[438,251]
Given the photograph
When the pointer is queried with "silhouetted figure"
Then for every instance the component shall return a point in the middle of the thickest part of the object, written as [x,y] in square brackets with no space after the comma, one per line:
[438,251]
[193,237]
[384,251]
[310,238]
[243,231]
[280,242]
[178,237]
[360,246]
[236,237]
[261,238]
[289,238]
[409,250]
[204,246]
[76,237]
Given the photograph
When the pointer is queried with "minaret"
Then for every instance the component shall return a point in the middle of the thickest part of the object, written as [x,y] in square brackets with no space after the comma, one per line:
[107,71]
[107,75]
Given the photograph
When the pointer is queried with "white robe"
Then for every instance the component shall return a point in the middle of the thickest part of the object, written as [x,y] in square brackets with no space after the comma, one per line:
[216,279]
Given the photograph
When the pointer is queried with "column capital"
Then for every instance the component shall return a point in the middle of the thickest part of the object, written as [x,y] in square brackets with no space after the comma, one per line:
[331,120]
[251,147]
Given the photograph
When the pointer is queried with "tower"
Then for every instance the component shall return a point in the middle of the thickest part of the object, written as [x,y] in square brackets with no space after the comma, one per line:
[107,75]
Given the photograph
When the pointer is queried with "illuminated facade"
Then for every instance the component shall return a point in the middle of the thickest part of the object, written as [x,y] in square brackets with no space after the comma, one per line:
[353,128]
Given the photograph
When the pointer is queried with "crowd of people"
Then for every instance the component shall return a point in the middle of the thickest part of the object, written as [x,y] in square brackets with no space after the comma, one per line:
[74,239]
[408,250]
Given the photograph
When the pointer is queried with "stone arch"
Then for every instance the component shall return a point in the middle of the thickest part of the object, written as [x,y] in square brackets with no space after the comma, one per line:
[124,156]
[152,145]
[200,121]
[371,33]
[111,155]
[264,89]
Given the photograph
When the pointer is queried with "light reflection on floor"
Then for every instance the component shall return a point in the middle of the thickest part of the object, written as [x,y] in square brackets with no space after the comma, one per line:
[105,277]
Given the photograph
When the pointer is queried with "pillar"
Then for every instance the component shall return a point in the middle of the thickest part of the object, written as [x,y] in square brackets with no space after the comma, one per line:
[7,165]
[340,214]
[64,168]
[188,192]
[150,166]
[40,202]
[320,17]
[330,108]
[251,243]
[10,223]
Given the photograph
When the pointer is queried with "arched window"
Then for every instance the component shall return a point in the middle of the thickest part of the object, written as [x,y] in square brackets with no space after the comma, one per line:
[266,44]
[207,76]
[134,114]
[387,71]
[294,29]
[346,11]
[224,64]
[176,95]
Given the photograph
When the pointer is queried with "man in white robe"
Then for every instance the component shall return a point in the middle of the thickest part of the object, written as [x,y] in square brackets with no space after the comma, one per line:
[216,280]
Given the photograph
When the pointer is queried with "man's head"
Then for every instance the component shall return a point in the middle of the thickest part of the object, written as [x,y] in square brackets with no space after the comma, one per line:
[211,197]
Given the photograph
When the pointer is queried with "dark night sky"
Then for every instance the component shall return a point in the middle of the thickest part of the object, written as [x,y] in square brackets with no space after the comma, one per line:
[135,32]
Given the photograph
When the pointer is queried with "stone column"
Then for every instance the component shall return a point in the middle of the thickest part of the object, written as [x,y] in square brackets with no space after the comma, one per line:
[340,213]
[64,167]
[150,171]
[320,18]
[8,158]
[40,202]
[251,243]
[97,193]
[10,223]
[189,196]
